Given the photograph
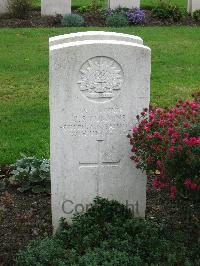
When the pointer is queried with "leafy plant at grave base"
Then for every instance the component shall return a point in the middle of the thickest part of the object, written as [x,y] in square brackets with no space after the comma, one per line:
[108,235]
[166,144]
[72,20]
[19,8]
[116,20]
[136,16]
[83,9]
[30,173]
[167,11]
[196,15]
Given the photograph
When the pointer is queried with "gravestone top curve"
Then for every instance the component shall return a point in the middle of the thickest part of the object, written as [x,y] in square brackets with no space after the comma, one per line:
[90,35]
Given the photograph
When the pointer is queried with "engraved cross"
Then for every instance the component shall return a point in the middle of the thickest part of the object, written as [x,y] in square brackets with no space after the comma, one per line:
[99,162]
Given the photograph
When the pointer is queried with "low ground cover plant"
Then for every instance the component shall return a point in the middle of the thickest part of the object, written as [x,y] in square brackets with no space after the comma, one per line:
[116,20]
[31,174]
[108,235]
[166,144]
[72,20]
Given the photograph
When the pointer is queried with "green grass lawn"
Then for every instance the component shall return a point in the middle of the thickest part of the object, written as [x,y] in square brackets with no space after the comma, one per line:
[144,3]
[24,115]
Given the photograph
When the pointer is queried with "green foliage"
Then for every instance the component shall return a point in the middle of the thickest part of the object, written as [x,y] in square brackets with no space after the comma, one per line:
[107,235]
[42,252]
[19,8]
[196,15]
[72,20]
[83,9]
[167,11]
[30,173]
[117,20]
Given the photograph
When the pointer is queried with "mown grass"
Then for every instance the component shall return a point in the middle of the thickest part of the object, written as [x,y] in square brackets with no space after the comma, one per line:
[24,115]
[144,3]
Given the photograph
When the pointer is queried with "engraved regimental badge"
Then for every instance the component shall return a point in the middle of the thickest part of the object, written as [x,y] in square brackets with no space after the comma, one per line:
[101,79]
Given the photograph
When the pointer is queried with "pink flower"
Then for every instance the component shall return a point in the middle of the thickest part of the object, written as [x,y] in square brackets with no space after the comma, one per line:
[146,128]
[171,149]
[194,105]
[173,191]
[192,141]
[179,148]
[185,124]
[135,130]
[151,115]
[175,135]
[186,135]
[134,149]
[194,186]
[188,182]
[170,131]
[149,136]
[157,135]
[155,183]
[159,164]
[173,141]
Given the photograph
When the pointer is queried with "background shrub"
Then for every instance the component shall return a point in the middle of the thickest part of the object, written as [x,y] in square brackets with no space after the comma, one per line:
[116,20]
[19,8]
[196,15]
[72,20]
[30,173]
[167,11]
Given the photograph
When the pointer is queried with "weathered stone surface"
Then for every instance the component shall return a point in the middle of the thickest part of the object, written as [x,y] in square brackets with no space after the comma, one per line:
[96,89]
[53,8]
[193,5]
[113,4]
[3,6]
[94,35]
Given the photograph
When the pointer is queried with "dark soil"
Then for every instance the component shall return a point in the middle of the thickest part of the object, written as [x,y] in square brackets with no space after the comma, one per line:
[24,217]
[96,18]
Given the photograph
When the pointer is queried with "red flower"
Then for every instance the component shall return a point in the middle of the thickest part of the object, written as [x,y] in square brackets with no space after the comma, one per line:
[155,183]
[173,190]
[135,130]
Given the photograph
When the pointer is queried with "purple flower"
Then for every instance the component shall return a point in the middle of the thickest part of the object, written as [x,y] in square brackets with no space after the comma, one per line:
[136,16]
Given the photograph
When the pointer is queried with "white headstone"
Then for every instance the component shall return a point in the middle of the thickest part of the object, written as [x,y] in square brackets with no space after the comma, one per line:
[193,5]
[97,87]
[3,6]
[113,4]
[53,8]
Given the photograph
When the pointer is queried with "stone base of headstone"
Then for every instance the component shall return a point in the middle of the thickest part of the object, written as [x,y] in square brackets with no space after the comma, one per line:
[193,5]
[53,8]
[3,6]
[113,4]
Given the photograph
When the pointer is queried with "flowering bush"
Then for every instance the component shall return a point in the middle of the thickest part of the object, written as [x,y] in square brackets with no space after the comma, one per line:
[166,143]
[136,16]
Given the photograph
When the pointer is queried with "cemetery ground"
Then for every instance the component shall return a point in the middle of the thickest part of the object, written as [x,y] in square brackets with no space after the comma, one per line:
[24,118]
